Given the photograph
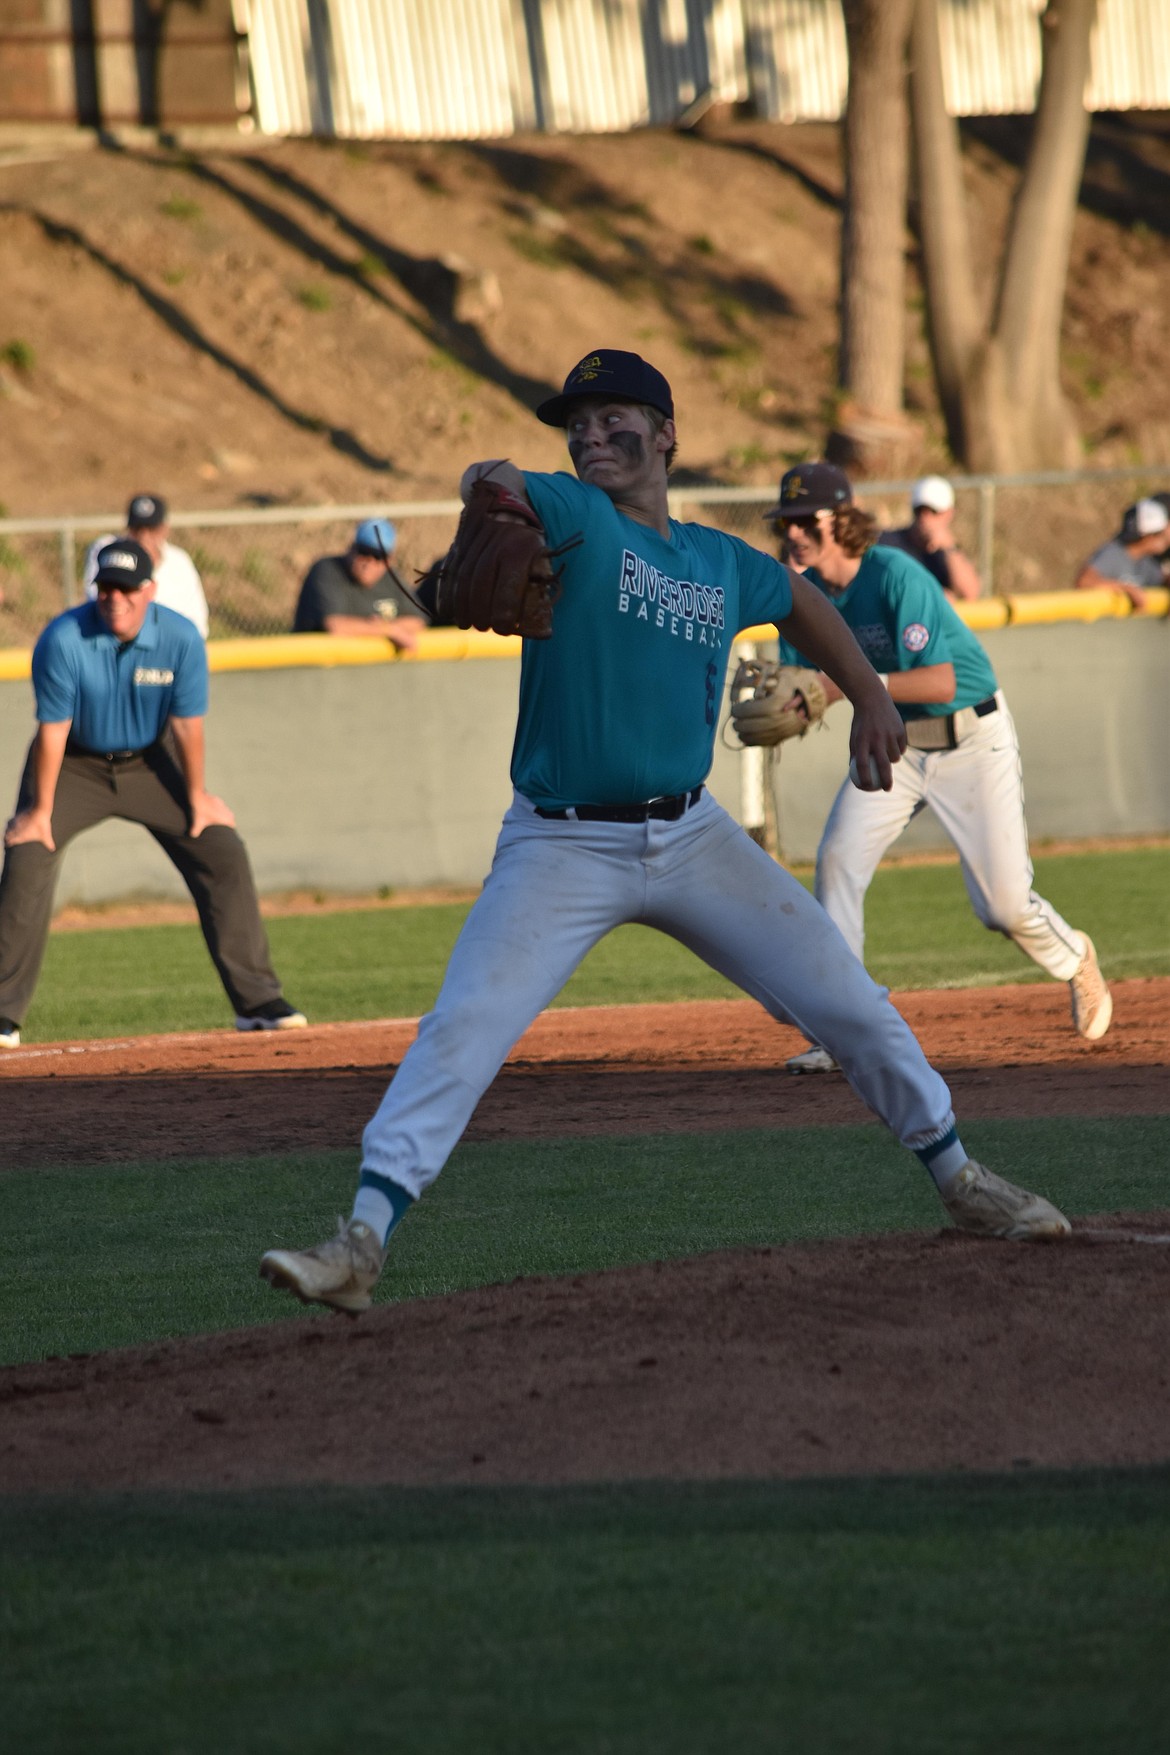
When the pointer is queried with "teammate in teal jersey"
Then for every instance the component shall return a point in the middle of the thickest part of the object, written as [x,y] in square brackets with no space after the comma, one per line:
[611,823]
[963,757]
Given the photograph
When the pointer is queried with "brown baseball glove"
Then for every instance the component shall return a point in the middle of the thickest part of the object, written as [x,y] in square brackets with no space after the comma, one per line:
[772,702]
[498,574]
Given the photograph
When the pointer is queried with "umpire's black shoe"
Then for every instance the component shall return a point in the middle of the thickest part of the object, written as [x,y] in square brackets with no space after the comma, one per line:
[9,1033]
[274,1014]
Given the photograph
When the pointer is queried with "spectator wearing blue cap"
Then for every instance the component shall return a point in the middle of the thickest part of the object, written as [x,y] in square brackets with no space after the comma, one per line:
[359,592]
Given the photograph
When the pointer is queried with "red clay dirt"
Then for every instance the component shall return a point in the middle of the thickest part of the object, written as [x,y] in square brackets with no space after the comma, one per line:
[918,1352]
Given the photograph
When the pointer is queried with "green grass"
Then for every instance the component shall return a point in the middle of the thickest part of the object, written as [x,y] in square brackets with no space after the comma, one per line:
[374,964]
[181,207]
[19,354]
[916,1617]
[170,1247]
[1016,1614]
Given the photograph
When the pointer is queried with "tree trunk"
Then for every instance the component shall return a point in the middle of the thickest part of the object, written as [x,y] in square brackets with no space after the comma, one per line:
[871,427]
[951,308]
[1025,348]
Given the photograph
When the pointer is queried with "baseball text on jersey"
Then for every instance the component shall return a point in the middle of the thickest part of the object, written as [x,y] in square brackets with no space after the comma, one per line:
[652,595]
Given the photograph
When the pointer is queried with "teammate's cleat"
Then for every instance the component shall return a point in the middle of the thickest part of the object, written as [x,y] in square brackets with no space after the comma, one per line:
[274,1014]
[981,1202]
[1092,1002]
[9,1033]
[813,1060]
[342,1272]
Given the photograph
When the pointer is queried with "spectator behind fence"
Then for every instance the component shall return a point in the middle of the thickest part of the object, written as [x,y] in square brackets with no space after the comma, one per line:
[121,696]
[176,579]
[930,538]
[359,592]
[1131,561]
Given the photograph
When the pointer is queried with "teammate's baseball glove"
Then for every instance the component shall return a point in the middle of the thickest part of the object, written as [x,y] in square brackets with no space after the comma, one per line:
[497,575]
[772,702]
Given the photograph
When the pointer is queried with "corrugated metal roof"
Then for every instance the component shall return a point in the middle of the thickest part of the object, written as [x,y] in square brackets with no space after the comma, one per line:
[472,69]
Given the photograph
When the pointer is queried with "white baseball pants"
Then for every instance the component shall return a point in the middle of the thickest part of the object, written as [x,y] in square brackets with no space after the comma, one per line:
[557,887]
[977,794]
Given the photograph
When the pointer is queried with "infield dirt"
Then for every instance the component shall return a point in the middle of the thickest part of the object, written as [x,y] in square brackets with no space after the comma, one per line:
[891,1354]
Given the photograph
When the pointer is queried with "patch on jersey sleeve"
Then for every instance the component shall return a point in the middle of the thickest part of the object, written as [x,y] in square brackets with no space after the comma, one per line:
[915,637]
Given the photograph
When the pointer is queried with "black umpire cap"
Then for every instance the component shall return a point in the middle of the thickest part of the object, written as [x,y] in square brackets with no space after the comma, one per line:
[621,377]
[125,564]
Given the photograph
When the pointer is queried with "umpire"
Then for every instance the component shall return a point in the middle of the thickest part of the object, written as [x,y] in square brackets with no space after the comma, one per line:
[121,695]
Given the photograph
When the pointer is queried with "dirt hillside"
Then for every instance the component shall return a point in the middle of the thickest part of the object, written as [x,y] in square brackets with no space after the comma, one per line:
[279,324]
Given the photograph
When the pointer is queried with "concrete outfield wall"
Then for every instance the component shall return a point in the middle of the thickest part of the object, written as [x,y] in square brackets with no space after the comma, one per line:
[347,779]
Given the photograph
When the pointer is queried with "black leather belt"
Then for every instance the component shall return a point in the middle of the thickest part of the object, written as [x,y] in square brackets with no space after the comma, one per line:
[667,810]
[113,756]
[982,708]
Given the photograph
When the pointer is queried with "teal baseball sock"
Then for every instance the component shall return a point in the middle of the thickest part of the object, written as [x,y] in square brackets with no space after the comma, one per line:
[944,1159]
[380,1204]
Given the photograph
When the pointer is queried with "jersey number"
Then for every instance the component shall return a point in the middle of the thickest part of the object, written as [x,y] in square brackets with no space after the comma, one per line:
[711,674]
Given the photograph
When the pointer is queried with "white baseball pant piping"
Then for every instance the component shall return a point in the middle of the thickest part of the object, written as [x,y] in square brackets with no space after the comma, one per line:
[977,793]
[557,887]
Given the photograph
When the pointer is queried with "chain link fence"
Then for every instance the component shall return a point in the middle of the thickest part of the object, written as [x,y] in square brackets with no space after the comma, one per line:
[1026,533]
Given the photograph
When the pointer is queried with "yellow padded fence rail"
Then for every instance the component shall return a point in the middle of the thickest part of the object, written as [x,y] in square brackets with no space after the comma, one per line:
[325,651]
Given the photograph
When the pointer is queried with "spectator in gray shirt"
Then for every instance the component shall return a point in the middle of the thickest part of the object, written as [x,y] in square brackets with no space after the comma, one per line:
[359,592]
[1131,560]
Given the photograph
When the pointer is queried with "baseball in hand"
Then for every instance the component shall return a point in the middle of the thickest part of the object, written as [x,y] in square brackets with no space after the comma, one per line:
[875,778]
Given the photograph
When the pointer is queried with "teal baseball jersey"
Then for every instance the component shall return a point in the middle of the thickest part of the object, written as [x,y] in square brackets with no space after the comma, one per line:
[622,703]
[901,620]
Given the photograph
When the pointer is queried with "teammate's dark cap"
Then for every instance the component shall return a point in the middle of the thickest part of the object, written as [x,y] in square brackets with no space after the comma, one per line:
[125,564]
[621,377]
[811,487]
[146,512]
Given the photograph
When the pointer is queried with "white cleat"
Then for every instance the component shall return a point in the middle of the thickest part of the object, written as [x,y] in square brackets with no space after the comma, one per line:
[1092,1002]
[341,1272]
[813,1060]
[9,1033]
[983,1204]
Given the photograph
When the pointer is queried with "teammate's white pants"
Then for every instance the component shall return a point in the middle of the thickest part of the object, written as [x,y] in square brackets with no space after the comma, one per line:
[557,887]
[977,794]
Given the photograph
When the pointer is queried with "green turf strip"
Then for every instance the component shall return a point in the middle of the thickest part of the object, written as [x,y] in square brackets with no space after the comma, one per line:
[389,963]
[172,1247]
[1024,1614]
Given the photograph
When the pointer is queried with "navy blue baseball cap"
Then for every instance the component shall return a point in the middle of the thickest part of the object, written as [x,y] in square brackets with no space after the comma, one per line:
[125,564]
[146,512]
[620,377]
[811,487]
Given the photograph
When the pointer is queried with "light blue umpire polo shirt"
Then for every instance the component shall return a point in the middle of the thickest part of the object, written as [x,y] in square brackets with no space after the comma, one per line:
[118,695]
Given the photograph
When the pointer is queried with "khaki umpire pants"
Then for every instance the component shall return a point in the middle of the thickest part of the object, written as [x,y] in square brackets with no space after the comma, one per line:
[147,789]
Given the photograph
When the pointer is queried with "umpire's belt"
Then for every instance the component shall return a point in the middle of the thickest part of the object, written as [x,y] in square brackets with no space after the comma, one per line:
[667,810]
[948,731]
[113,756]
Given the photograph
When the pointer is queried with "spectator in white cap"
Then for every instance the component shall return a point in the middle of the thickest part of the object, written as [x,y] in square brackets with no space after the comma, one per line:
[176,578]
[1131,560]
[359,592]
[930,538]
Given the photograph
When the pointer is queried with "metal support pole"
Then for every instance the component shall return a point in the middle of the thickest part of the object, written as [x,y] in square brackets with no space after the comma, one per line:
[751,773]
[987,536]
[68,546]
